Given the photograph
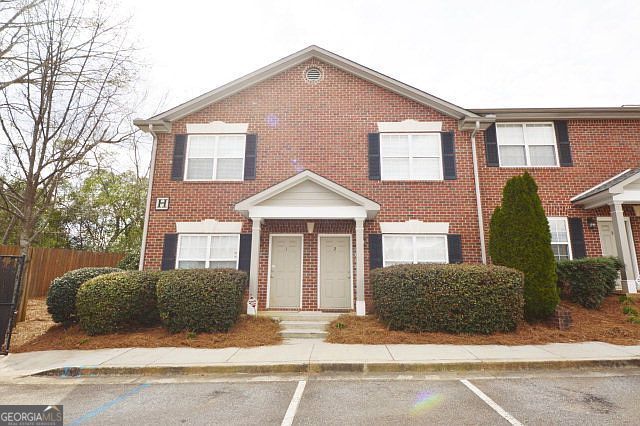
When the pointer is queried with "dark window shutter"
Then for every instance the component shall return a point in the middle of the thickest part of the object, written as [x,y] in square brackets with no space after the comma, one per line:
[244,257]
[564,147]
[250,155]
[374,156]
[179,153]
[375,251]
[454,243]
[448,156]
[576,233]
[169,251]
[491,146]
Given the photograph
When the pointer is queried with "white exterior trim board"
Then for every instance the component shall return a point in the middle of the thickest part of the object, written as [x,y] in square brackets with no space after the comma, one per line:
[217,127]
[414,227]
[208,226]
[409,126]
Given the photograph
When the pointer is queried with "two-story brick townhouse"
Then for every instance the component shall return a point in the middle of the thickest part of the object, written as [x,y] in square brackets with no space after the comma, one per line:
[313,170]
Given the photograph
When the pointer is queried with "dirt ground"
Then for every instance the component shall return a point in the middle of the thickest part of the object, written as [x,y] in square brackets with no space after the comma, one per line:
[39,333]
[608,324]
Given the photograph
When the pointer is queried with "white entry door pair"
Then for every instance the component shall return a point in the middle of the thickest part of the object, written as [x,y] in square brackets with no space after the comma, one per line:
[286,271]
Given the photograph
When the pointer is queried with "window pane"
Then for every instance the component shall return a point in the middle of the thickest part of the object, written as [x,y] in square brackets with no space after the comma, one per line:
[395,168]
[201,146]
[540,134]
[398,249]
[193,247]
[425,145]
[190,264]
[544,155]
[394,145]
[510,134]
[512,156]
[230,168]
[558,229]
[560,251]
[224,247]
[426,168]
[231,146]
[216,265]
[200,168]
[431,249]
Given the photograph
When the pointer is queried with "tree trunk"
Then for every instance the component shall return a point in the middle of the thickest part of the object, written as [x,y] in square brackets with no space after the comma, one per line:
[26,233]
[7,231]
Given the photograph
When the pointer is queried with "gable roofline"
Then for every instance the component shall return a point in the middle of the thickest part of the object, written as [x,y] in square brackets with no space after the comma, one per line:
[587,113]
[290,61]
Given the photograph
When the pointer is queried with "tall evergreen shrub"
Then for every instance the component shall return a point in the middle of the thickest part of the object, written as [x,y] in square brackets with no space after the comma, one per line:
[520,239]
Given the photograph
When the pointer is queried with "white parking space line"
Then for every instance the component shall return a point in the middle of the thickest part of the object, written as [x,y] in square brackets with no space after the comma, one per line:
[293,405]
[491,403]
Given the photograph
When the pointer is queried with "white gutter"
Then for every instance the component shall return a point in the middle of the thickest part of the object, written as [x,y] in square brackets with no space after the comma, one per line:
[146,212]
[474,154]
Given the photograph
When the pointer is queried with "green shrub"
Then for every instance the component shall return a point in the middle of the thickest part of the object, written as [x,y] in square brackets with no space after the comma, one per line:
[520,239]
[61,296]
[129,262]
[450,298]
[200,300]
[588,281]
[118,301]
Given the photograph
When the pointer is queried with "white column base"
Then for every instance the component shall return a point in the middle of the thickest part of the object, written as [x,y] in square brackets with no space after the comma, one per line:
[360,308]
[629,286]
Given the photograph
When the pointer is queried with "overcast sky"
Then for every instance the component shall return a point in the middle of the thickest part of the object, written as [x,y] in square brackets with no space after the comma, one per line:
[474,54]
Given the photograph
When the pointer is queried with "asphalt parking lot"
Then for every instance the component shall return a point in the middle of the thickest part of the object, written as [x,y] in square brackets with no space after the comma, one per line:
[541,398]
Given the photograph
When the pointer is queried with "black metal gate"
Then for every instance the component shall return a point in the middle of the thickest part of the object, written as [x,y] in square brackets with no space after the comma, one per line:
[10,277]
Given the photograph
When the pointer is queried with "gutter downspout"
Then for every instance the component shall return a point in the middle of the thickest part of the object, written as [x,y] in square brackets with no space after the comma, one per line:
[483,251]
[146,212]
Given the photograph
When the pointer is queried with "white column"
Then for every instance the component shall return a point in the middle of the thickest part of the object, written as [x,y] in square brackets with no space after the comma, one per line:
[255,259]
[360,306]
[624,251]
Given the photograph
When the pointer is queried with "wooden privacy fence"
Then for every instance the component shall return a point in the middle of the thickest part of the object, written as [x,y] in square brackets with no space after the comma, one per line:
[45,264]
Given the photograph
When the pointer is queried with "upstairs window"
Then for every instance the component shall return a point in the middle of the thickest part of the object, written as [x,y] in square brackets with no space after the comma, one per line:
[527,145]
[215,157]
[399,249]
[411,156]
[208,251]
[559,228]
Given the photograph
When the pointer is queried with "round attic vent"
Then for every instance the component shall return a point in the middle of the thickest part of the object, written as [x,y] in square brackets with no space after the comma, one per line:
[313,75]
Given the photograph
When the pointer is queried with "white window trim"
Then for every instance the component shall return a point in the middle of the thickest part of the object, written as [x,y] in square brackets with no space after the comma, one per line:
[526,146]
[215,158]
[415,251]
[411,157]
[409,126]
[566,224]
[208,259]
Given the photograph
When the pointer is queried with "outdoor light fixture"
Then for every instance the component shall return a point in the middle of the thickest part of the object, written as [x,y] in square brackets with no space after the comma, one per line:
[592,223]
[310,226]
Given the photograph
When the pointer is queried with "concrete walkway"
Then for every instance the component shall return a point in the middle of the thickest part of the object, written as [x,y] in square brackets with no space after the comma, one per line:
[316,356]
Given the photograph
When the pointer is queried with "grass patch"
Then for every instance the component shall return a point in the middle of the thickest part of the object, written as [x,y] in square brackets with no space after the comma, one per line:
[607,324]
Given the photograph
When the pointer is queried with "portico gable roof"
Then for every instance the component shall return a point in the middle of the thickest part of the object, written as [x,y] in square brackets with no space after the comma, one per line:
[621,188]
[267,204]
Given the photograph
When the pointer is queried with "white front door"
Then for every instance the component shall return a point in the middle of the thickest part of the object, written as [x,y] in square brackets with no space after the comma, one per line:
[608,243]
[285,272]
[335,272]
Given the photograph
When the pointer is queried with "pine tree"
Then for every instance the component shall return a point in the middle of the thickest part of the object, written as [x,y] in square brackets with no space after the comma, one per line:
[519,238]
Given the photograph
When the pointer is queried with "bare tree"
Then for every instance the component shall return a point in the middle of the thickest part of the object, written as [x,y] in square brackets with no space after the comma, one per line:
[81,68]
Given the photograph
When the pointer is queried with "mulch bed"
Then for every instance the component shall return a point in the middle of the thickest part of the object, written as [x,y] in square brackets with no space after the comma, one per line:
[39,333]
[608,324]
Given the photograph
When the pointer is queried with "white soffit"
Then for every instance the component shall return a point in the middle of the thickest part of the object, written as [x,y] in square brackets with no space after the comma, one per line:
[414,227]
[217,127]
[408,126]
[208,226]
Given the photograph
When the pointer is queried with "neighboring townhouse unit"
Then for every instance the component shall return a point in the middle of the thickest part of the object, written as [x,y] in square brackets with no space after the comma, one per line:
[313,170]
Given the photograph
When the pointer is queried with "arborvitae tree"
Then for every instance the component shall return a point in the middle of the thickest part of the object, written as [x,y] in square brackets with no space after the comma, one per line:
[520,238]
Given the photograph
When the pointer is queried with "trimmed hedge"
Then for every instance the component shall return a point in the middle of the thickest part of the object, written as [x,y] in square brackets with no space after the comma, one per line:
[118,301]
[589,280]
[450,298]
[61,296]
[200,300]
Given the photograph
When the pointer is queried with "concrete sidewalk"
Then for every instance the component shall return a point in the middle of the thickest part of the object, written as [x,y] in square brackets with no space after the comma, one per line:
[317,356]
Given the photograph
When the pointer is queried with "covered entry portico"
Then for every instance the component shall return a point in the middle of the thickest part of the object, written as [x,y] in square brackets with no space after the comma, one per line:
[615,233]
[309,197]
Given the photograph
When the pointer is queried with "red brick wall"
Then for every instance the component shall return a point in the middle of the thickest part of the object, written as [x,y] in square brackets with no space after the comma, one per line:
[600,150]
